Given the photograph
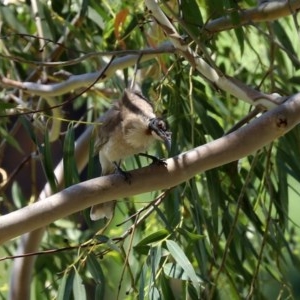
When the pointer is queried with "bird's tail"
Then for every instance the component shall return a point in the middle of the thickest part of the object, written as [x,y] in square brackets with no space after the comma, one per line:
[103,210]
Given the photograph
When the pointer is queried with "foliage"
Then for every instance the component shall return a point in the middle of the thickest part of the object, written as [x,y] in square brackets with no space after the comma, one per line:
[230,232]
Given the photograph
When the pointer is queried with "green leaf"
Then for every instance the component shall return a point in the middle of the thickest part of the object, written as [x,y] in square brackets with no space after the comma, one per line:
[45,151]
[71,175]
[143,250]
[165,287]
[95,269]
[10,139]
[142,285]
[174,270]
[65,286]
[10,18]
[109,242]
[29,129]
[154,293]
[79,292]
[191,236]
[153,238]
[7,105]
[239,33]
[235,18]
[182,260]
[155,254]
[214,8]
[215,196]
[91,161]
[283,37]
[191,15]
[18,198]
[48,163]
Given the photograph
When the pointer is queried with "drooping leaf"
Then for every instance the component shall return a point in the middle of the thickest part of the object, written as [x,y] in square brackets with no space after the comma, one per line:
[65,286]
[48,165]
[10,139]
[182,260]
[191,15]
[284,39]
[79,292]
[142,283]
[95,269]
[71,175]
[165,287]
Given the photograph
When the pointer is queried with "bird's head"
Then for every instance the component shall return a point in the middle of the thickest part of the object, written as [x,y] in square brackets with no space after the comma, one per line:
[158,129]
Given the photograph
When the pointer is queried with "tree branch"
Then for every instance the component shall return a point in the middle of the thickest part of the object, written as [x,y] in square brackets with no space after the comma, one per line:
[267,11]
[234,146]
[215,76]
[82,80]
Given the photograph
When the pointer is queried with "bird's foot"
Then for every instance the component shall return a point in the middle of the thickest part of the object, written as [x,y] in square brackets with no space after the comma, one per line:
[126,175]
[155,160]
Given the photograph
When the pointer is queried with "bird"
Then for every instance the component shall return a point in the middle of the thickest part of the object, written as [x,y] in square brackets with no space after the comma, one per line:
[128,128]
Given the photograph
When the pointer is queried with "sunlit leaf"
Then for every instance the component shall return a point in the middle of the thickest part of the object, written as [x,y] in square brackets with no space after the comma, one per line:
[183,262]
[79,292]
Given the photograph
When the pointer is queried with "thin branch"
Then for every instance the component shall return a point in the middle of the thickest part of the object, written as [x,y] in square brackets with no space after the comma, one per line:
[83,80]
[101,75]
[86,56]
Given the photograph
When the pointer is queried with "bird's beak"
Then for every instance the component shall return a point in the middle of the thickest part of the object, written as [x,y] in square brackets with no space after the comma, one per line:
[158,128]
[167,140]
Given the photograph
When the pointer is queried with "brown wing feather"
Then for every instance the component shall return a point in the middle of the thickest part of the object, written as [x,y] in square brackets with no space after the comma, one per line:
[107,124]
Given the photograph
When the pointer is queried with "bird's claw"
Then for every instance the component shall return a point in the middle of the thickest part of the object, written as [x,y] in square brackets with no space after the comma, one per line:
[159,162]
[155,160]
[126,175]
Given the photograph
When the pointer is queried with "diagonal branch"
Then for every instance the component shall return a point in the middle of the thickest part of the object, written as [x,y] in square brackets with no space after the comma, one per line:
[234,146]
[225,83]
[267,11]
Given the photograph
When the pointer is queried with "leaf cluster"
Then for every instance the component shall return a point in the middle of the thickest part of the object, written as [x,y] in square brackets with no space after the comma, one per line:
[231,232]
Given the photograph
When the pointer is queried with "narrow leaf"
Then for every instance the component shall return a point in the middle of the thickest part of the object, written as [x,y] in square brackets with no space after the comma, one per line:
[95,269]
[79,292]
[191,15]
[153,237]
[65,286]
[29,129]
[183,262]
[71,175]
[10,139]
[48,163]
[142,283]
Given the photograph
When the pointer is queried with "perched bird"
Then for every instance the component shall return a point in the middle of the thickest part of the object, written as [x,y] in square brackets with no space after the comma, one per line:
[129,127]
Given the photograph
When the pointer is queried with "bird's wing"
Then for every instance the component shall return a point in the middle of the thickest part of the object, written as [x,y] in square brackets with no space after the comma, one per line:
[107,124]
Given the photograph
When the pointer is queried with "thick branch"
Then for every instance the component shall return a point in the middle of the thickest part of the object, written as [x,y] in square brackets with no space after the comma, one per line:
[234,146]
[268,11]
